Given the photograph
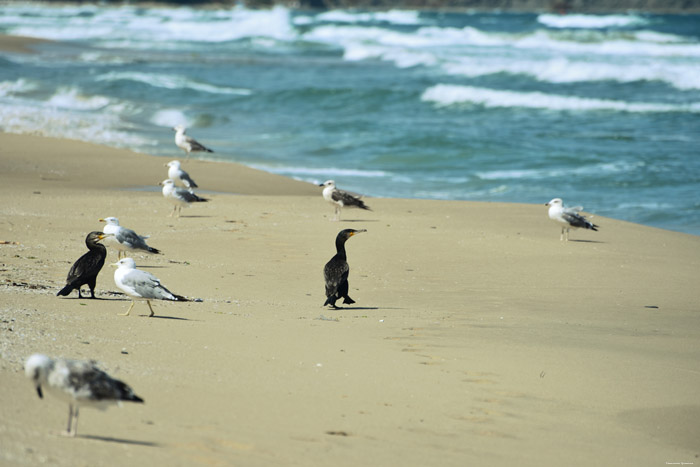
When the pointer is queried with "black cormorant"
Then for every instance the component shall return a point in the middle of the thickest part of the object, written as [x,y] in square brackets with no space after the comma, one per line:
[87,267]
[336,271]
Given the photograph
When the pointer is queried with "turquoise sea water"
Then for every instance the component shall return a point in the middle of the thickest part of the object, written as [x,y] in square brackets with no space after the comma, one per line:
[602,111]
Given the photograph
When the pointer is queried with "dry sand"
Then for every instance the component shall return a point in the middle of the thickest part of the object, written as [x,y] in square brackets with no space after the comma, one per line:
[478,338]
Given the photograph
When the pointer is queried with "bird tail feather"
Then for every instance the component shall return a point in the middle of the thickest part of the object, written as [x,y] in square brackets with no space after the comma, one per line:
[65,290]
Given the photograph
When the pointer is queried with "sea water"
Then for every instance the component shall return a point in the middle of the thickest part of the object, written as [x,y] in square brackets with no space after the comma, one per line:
[600,110]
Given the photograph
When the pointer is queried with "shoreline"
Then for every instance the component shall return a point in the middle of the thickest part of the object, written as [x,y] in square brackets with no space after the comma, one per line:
[477,337]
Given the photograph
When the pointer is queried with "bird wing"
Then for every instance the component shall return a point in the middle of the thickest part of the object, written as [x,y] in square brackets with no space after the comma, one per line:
[334,273]
[131,239]
[145,285]
[87,381]
[187,180]
[187,196]
[196,145]
[347,199]
[575,220]
[90,264]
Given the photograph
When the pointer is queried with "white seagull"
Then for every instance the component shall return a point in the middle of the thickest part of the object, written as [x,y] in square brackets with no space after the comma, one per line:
[339,198]
[187,143]
[79,383]
[568,218]
[124,239]
[179,196]
[141,285]
[175,173]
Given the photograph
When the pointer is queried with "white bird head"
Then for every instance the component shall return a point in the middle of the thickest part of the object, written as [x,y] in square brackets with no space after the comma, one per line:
[328,183]
[179,128]
[110,220]
[167,182]
[125,263]
[175,164]
[36,368]
[555,202]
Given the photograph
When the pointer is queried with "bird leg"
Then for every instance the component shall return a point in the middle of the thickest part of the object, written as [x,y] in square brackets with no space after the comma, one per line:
[150,308]
[337,213]
[129,310]
[79,294]
[72,431]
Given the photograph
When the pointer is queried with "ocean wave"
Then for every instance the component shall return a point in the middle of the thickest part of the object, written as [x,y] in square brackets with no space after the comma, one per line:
[171,117]
[683,76]
[148,24]
[37,119]
[591,21]
[171,82]
[538,174]
[71,98]
[323,172]
[446,95]
[398,17]
[18,87]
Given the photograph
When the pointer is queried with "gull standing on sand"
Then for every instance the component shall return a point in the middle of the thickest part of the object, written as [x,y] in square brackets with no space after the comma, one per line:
[336,271]
[568,218]
[175,173]
[87,267]
[79,383]
[141,285]
[124,239]
[179,196]
[339,198]
[187,143]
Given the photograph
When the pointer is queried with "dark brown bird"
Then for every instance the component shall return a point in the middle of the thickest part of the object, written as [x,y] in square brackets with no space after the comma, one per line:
[336,271]
[87,267]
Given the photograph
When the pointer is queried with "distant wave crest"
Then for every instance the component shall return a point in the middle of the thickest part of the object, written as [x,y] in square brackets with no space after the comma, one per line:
[447,94]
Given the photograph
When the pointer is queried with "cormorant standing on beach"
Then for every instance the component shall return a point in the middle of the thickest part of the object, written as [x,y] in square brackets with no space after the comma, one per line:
[87,267]
[336,271]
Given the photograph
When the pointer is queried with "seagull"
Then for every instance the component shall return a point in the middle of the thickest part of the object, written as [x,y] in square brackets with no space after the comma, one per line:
[569,218]
[339,198]
[141,285]
[179,196]
[187,143]
[80,383]
[87,267]
[124,239]
[335,272]
[175,173]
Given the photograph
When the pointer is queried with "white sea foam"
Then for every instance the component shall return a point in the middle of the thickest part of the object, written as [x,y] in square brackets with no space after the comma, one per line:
[19,87]
[71,98]
[402,17]
[591,21]
[323,172]
[583,170]
[171,117]
[682,76]
[171,82]
[37,119]
[151,25]
[447,94]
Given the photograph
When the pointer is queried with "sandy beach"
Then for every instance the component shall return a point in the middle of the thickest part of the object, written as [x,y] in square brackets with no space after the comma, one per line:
[478,338]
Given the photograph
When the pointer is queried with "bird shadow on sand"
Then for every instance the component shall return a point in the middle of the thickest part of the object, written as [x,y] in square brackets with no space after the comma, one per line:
[585,241]
[196,217]
[353,308]
[175,318]
[118,440]
[359,220]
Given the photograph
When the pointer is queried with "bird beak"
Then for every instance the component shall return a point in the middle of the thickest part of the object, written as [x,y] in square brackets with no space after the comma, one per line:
[160,183]
[38,391]
[546,204]
[320,184]
[102,220]
[116,265]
